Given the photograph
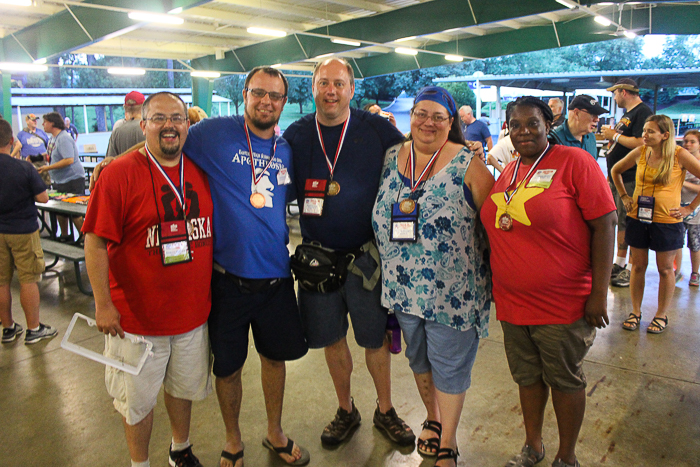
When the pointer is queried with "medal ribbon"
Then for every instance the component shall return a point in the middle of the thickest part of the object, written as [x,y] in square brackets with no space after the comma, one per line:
[426,169]
[343,132]
[179,194]
[257,178]
[509,197]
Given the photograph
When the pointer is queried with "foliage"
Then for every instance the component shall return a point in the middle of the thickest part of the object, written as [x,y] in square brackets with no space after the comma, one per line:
[299,92]
[231,87]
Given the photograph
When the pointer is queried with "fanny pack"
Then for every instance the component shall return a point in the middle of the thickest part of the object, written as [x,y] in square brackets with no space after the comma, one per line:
[37,158]
[319,269]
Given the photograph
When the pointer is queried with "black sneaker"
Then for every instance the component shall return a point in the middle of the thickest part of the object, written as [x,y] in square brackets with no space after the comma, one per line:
[616,269]
[395,428]
[10,334]
[341,426]
[183,458]
[622,279]
[44,332]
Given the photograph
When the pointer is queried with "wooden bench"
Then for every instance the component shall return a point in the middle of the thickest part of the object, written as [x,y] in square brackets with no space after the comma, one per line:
[69,252]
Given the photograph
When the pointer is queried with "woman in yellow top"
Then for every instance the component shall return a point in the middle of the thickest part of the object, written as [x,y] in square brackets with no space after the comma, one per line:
[654,213]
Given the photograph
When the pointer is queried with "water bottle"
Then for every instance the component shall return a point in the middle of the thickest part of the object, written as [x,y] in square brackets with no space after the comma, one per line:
[393,333]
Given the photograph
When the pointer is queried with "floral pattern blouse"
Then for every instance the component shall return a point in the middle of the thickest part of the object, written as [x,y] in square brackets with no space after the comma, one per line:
[445,275]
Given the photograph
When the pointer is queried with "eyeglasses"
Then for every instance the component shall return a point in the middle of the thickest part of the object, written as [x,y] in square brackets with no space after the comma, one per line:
[161,119]
[260,93]
[436,118]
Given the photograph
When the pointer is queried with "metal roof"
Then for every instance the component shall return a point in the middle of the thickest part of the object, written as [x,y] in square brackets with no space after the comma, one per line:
[214,32]
[570,81]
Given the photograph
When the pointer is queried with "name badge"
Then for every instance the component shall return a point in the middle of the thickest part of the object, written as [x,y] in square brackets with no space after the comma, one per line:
[174,243]
[314,197]
[645,209]
[404,221]
[283,177]
[542,179]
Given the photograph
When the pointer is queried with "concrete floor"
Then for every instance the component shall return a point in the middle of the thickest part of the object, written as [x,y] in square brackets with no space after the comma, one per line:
[643,398]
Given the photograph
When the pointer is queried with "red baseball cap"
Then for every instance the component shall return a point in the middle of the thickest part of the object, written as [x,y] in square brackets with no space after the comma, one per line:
[134,96]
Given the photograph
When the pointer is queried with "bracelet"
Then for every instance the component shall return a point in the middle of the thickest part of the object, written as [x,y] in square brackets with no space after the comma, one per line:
[616,137]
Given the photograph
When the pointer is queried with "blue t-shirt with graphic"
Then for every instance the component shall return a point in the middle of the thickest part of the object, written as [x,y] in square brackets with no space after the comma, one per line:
[248,242]
[34,143]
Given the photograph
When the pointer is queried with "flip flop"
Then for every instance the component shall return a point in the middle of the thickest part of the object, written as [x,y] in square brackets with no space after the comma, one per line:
[303,460]
[232,457]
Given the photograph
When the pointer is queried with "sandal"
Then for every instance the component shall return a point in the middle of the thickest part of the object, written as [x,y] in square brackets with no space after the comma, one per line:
[660,325]
[632,322]
[303,460]
[232,457]
[429,447]
[447,453]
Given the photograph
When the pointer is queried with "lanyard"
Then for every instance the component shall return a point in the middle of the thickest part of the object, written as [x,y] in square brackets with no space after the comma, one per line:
[257,178]
[509,197]
[426,169]
[179,194]
[343,133]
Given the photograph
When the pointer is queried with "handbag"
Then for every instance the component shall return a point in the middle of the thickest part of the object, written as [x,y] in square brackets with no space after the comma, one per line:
[319,269]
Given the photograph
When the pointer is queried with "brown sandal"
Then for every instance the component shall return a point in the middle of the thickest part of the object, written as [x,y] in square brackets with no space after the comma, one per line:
[632,322]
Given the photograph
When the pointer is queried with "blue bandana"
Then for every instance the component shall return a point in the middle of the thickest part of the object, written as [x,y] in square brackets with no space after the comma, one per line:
[439,95]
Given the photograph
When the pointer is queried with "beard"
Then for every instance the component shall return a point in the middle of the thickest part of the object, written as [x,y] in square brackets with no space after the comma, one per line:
[169,149]
[260,124]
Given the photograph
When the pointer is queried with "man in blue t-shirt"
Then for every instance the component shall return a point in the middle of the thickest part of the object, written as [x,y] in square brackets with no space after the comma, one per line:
[473,129]
[20,246]
[578,129]
[34,143]
[252,285]
[344,149]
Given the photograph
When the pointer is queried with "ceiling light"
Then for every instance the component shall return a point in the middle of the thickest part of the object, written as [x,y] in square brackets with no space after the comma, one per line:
[10,66]
[602,20]
[276,65]
[629,34]
[404,39]
[40,61]
[205,74]
[568,3]
[606,3]
[175,11]
[154,18]
[346,42]
[17,2]
[126,71]
[267,32]
[324,55]
[454,58]
[402,50]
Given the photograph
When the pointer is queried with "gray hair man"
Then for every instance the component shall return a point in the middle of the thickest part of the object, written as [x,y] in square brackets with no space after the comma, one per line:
[579,128]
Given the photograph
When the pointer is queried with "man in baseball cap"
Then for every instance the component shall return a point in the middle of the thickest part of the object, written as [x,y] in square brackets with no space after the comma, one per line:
[577,130]
[625,83]
[34,142]
[127,132]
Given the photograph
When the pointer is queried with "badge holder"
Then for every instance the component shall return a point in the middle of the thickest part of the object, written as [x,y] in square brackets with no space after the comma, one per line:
[645,209]
[314,197]
[404,221]
[174,243]
[133,368]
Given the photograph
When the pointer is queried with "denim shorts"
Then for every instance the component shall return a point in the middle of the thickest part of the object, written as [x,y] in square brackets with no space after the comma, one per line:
[552,353]
[655,236]
[447,352]
[272,314]
[325,315]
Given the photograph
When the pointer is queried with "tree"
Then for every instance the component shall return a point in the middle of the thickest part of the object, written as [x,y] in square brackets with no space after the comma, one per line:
[299,92]
[231,87]
[462,93]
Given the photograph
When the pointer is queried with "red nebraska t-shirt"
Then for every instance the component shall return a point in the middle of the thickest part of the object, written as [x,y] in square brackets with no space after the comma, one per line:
[153,299]
[542,266]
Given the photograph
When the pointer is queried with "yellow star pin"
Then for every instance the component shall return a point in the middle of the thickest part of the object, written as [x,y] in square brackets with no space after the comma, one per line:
[516,208]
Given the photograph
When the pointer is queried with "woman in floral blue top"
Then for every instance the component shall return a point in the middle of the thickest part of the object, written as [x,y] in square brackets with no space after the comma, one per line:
[435,271]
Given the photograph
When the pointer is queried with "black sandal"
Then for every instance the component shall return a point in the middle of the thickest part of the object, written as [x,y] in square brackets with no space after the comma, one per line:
[232,457]
[632,322]
[447,453]
[422,445]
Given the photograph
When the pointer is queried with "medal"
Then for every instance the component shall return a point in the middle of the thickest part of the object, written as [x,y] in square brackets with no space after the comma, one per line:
[333,186]
[257,200]
[505,222]
[407,206]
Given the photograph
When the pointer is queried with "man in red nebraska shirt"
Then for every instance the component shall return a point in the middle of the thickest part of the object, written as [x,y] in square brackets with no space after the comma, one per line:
[148,250]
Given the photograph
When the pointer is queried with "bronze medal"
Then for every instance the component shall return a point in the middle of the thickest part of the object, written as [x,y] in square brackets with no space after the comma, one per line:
[505,222]
[407,206]
[257,200]
[333,188]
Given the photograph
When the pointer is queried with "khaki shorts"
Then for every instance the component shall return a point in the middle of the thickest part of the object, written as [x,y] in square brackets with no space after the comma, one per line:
[24,252]
[552,353]
[181,363]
